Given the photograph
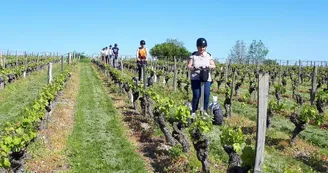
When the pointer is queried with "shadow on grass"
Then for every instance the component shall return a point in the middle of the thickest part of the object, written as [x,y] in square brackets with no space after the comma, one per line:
[315,162]
[249,130]
[278,143]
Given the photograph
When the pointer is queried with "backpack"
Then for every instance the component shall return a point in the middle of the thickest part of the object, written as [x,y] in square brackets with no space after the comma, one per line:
[142,53]
[216,110]
[203,75]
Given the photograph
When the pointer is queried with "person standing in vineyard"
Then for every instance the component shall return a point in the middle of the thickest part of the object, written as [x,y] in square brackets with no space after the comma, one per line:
[106,55]
[198,60]
[102,53]
[115,51]
[142,53]
[110,54]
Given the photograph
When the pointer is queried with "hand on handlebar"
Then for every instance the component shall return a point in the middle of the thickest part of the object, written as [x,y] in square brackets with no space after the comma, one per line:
[201,67]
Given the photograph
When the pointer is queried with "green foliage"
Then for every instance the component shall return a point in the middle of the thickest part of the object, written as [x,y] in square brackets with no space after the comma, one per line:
[175,151]
[248,156]
[202,123]
[18,71]
[233,137]
[257,51]
[308,113]
[170,48]
[269,62]
[17,135]
[275,105]
[280,88]
[182,113]
[322,96]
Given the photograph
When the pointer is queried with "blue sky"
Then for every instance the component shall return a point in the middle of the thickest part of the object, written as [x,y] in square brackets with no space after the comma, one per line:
[291,29]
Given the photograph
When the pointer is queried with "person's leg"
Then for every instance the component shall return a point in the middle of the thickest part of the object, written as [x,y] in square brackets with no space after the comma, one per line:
[113,61]
[195,87]
[139,70]
[115,65]
[207,92]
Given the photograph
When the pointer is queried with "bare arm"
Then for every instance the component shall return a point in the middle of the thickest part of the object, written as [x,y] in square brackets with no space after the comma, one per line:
[137,55]
[190,64]
[146,53]
[212,64]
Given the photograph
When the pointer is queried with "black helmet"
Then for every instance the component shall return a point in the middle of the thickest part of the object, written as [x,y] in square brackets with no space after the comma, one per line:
[201,42]
[110,45]
[115,44]
[142,42]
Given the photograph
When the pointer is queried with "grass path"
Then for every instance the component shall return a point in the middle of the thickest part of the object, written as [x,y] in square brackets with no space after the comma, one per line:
[98,142]
[15,97]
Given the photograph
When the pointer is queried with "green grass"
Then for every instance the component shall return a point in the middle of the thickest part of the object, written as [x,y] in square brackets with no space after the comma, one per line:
[19,94]
[97,142]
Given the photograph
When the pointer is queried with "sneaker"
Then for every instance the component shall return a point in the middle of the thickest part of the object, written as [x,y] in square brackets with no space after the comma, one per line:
[193,115]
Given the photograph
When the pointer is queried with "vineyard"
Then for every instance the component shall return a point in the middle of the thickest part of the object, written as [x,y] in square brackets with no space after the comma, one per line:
[66,114]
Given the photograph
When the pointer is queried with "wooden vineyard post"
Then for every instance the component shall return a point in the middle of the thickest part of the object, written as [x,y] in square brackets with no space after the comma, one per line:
[122,64]
[1,60]
[261,121]
[69,58]
[287,66]
[37,60]
[175,74]
[299,71]
[62,63]
[25,64]
[232,90]
[227,69]
[49,72]
[16,59]
[314,83]
[275,65]
[280,71]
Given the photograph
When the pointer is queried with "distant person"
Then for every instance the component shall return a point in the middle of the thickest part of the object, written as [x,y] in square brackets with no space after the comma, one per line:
[106,55]
[102,54]
[142,53]
[110,53]
[115,52]
[200,59]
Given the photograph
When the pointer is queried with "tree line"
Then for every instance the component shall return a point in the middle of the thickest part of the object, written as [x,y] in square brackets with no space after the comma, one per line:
[255,53]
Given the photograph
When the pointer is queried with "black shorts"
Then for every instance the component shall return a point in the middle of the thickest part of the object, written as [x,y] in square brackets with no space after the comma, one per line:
[115,56]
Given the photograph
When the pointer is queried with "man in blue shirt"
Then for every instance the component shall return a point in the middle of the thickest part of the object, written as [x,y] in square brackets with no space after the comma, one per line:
[115,52]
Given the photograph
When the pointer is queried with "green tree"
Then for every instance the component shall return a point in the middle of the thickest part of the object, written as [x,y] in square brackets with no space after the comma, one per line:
[81,54]
[269,62]
[238,53]
[169,49]
[257,51]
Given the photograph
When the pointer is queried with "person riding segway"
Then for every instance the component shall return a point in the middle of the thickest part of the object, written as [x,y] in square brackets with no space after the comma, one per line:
[116,52]
[199,64]
[142,53]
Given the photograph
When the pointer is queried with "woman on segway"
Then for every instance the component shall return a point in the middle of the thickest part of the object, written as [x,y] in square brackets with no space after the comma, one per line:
[142,53]
[200,62]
